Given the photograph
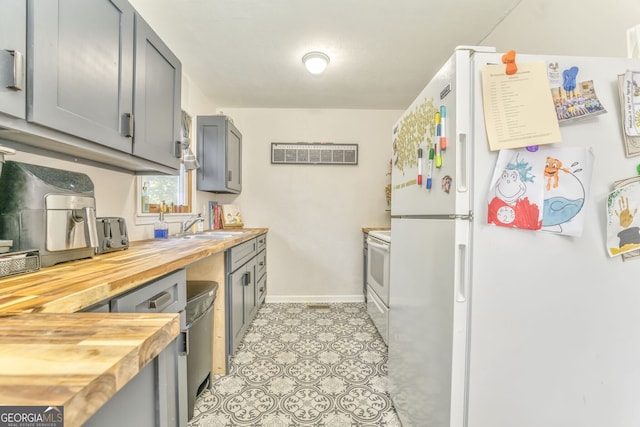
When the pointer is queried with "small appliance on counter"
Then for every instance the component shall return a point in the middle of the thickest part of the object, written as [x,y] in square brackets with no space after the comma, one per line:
[48,209]
[19,262]
[112,234]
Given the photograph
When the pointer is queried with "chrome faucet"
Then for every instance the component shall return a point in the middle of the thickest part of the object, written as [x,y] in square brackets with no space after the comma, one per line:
[190,222]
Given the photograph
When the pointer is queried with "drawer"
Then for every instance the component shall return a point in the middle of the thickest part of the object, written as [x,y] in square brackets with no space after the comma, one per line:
[261,242]
[165,295]
[242,253]
[261,289]
[261,264]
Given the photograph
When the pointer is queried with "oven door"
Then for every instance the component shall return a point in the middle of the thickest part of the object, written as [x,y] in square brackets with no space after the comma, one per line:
[379,314]
[378,260]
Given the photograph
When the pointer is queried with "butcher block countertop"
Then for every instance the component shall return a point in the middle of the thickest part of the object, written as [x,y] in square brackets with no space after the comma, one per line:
[76,285]
[78,361]
[366,230]
[51,355]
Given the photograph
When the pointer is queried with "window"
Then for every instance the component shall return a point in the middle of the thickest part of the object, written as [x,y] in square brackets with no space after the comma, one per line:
[165,193]
[171,194]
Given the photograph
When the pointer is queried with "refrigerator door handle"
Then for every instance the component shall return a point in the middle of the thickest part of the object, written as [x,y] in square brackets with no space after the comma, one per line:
[461,289]
[463,184]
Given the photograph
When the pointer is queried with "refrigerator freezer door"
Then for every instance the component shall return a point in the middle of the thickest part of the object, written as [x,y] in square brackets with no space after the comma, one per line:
[428,321]
[418,129]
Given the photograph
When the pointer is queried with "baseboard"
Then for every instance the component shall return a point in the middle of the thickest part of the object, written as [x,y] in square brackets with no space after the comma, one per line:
[314,298]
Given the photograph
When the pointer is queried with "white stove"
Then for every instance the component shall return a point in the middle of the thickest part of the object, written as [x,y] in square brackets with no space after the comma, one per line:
[384,235]
[378,278]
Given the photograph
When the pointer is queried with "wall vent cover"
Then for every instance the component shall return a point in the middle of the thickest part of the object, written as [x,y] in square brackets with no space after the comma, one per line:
[305,153]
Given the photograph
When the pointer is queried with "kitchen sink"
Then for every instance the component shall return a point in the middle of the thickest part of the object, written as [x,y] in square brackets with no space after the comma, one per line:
[211,235]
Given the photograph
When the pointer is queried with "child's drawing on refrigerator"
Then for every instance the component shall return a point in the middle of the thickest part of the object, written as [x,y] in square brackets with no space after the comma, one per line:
[567,175]
[541,190]
[516,193]
[623,230]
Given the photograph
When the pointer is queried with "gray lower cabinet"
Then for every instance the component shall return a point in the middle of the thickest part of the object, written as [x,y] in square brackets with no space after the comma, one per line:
[157,395]
[13,45]
[243,302]
[246,287]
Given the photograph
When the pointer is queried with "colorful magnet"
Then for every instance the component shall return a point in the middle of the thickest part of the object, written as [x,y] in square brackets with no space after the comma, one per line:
[569,78]
[446,183]
[509,59]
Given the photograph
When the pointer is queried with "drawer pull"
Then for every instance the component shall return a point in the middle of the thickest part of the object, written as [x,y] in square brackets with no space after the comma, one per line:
[159,300]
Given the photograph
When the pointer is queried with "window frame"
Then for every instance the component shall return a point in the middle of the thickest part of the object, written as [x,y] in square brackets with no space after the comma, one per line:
[185,180]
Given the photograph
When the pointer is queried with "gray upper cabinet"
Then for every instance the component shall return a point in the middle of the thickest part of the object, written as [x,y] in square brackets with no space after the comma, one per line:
[13,44]
[100,84]
[157,98]
[81,68]
[220,155]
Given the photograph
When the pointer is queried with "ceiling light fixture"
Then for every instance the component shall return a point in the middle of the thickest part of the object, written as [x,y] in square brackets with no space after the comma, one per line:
[316,62]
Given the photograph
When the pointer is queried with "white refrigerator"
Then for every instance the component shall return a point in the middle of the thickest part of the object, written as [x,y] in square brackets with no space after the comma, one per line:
[493,326]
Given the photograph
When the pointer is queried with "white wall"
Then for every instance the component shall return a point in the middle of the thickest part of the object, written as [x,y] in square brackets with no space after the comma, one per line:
[567,27]
[314,213]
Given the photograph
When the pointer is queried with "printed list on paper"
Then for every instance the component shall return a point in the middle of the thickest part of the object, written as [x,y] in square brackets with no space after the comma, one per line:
[518,108]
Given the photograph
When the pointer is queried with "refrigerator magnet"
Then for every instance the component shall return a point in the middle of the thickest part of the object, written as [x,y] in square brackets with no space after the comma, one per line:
[446,183]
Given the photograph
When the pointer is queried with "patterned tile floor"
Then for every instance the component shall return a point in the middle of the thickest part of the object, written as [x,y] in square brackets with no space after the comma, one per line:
[301,366]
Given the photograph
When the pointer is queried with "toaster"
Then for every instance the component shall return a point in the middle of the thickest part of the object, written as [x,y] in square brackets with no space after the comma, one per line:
[112,234]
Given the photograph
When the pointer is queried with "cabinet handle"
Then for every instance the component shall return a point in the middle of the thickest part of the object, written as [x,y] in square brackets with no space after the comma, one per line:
[247,278]
[178,150]
[184,342]
[230,176]
[261,263]
[159,300]
[18,70]
[127,125]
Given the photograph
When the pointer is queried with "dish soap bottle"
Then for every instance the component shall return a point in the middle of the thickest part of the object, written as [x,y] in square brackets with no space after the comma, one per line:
[200,224]
[145,198]
[161,228]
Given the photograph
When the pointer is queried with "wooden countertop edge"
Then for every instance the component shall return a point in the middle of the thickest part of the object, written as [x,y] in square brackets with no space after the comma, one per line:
[76,285]
[70,287]
[366,230]
[84,394]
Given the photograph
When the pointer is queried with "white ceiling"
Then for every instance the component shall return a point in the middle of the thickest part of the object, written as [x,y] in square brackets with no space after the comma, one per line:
[248,53]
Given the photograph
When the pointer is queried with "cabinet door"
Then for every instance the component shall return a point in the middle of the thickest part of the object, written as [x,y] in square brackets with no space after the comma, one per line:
[220,155]
[236,308]
[234,158]
[13,43]
[251,293]
[81,68]
[167,294]
[148,400]
[157,98]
